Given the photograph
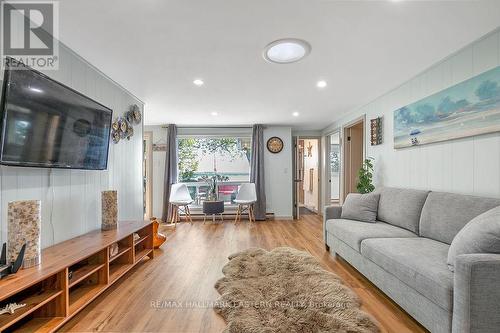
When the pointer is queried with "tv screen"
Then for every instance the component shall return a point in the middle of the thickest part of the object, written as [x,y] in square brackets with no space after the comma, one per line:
[46,124]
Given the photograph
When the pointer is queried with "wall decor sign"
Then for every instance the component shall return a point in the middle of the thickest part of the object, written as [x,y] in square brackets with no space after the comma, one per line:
[467,109]
[309,150]
[159,147]
[376,131]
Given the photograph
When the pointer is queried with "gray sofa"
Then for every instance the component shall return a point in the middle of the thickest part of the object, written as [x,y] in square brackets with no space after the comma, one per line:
[405,255]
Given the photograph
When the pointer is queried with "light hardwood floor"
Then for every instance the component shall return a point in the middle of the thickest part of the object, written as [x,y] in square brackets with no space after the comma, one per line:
[187,266]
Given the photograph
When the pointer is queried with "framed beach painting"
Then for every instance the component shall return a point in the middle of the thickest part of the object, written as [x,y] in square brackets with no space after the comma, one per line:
[467,109]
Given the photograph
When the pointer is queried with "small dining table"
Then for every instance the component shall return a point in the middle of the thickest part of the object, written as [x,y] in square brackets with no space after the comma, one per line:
[213,208]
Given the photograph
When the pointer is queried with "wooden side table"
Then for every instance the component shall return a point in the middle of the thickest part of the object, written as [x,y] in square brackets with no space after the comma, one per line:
[213,208]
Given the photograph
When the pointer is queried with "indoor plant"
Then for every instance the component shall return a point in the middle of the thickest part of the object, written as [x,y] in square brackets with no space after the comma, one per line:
[212,185]
[365,177]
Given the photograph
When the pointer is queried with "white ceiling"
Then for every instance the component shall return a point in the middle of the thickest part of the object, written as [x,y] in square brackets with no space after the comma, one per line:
[156,48]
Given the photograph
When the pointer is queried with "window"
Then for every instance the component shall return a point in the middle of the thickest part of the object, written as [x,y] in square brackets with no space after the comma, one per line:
[205,158]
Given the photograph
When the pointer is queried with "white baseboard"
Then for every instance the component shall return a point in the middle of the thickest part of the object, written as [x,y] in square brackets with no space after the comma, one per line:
[283,217]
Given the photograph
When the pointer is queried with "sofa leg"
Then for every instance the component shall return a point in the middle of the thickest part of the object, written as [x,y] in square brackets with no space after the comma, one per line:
[327,247]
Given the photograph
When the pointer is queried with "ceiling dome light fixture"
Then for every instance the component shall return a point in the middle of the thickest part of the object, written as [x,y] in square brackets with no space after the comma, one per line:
[214,113]
[295,114]
[198,82]
[321,84]
[286,51]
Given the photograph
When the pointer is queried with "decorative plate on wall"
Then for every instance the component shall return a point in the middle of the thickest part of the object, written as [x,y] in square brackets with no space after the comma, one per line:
[275,145]
[116,136]
[115,131]
[123,127]
[134,115]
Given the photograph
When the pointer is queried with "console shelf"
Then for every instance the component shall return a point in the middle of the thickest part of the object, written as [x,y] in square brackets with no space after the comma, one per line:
[40,324]
[117,270]
[84,272]
[140,240]
[82,295]
[32,303]
[141,254]
[52,297]
[121,251]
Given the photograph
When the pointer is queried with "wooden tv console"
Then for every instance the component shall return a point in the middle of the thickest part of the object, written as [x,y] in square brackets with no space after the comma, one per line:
[52,297]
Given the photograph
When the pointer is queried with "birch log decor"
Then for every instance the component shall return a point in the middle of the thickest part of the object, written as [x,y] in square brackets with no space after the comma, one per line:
[109,201]
[24,227]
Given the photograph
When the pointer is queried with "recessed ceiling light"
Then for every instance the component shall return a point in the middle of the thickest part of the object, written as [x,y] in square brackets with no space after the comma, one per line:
[321,84]
[295,114]
[214,113]
[285,51]
[198,82]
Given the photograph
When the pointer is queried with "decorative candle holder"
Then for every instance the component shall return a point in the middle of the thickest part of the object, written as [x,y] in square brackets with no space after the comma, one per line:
[109,201]
[24,227]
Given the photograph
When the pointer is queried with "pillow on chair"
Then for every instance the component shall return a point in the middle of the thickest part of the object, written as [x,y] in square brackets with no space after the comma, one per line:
[480,235]
[361,207]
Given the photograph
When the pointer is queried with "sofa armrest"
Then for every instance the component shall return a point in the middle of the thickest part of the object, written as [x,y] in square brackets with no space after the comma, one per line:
[476,293]
[331,212]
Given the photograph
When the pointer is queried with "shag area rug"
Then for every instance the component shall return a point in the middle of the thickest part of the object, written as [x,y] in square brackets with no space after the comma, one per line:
[286,290]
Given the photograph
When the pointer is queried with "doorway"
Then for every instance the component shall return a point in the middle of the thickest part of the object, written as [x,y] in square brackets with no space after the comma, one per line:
[353,149]
[307,181]
[147,174]
[334,167]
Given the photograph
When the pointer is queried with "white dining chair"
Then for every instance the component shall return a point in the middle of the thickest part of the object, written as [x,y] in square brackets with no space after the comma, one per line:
[180,199]
[246,198]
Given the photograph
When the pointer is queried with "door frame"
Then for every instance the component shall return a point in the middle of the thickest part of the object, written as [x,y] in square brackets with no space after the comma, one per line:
[359,120]
[328,180]
[295,146]
[295,205]
[148,169]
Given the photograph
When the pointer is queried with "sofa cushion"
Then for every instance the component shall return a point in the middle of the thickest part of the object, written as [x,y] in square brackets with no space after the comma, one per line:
[418,262]
[480,235]
[353,232]
[445,214]
[361,207]
[401,207]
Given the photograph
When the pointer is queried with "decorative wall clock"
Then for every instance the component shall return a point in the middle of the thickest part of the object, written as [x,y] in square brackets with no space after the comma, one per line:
[275,145]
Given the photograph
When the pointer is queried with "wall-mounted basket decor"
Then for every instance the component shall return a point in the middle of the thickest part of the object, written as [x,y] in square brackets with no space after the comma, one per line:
[376,131]
[122,127]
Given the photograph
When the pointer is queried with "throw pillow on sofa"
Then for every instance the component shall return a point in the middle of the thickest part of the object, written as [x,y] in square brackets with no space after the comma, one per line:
[480,235]
[361,207]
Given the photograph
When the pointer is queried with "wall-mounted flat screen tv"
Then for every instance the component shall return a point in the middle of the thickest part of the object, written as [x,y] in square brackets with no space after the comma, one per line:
[46,124]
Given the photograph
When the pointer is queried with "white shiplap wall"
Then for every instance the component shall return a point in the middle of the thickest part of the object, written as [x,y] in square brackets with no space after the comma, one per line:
[159,137]
[278,172]
[71,198]
[467,165]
